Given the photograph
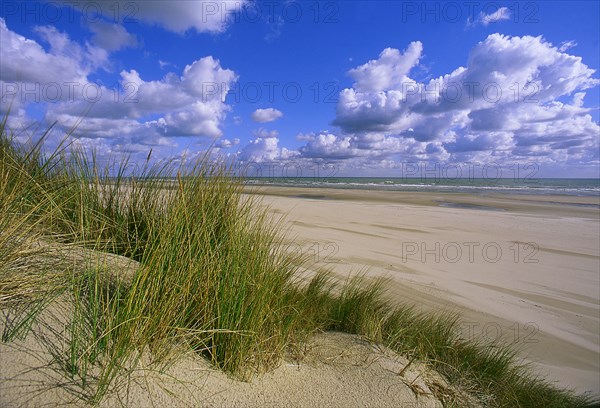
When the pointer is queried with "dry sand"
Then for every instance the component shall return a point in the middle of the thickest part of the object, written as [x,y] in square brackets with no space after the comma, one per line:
[335,370]
[522,267]
[331,369]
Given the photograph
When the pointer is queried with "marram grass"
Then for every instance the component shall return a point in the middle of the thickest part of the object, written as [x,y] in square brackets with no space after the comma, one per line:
[207,269]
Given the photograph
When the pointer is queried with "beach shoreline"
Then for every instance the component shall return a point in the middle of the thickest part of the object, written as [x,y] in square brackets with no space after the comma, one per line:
[521,268]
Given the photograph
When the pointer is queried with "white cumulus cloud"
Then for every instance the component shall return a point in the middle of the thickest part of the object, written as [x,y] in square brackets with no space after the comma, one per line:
[265,148]
[504,103]
[266,115]
[389,70]
[139,114]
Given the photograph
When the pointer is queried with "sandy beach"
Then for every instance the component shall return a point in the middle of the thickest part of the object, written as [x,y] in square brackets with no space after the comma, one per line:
[517,267]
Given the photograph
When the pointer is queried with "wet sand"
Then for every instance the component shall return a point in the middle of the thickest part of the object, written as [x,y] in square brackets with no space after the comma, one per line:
[522,268]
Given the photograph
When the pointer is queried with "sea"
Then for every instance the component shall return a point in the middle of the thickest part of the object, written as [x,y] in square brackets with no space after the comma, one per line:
[588,187]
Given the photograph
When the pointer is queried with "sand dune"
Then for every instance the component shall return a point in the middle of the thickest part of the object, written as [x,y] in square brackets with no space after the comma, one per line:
[334,370]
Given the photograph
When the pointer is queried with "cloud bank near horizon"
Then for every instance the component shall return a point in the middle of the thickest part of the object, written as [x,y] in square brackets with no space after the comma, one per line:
[517,98]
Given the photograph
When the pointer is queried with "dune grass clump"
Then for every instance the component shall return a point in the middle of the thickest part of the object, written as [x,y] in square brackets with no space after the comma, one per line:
[30,275]
[211,273]
[176,258]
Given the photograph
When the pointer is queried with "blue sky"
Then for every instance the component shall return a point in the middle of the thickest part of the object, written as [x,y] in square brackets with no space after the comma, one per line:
[365,86]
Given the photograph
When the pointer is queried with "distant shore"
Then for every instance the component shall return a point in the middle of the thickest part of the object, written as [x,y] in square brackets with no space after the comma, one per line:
[521,267]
